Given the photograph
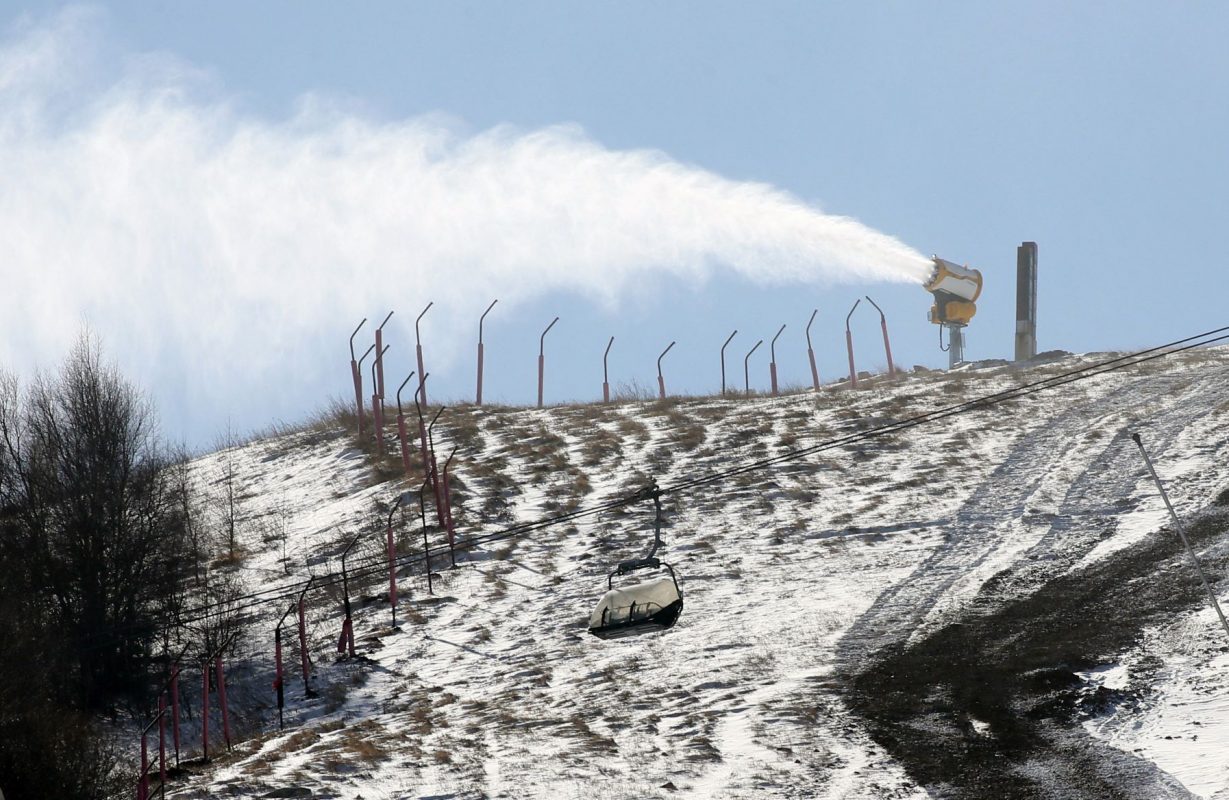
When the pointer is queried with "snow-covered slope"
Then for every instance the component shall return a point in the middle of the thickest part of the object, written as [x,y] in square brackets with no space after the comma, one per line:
[795,578]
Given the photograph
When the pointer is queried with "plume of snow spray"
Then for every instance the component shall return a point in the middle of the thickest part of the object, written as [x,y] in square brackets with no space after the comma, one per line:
[182,228]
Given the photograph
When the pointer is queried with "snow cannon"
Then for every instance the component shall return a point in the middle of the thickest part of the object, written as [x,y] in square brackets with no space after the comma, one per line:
[956,290]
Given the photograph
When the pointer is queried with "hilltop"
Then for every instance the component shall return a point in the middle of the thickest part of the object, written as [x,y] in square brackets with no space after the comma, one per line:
[986,605]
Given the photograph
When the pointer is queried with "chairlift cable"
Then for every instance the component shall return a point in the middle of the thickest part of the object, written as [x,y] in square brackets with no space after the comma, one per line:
[379,564]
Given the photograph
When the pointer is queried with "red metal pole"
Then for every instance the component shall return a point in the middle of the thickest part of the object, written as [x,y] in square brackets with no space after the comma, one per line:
[478,391]
[542,359]
[436,488]
[358,394]
[772,364]
[377,404]
[811,353]
[452,542]
[205,710]
[392,572]
[853,371]
[605,374]
[379,423]
[478,394]
[279,678]
[162,742]
[277,674]
[426,548]
[175,710]
[380,360]
[661,381]
[359,390]
[222,700]
[143,784]
[887,345]
[723,347]
[405,445]
[422,433]
[306,660]
[347,627]
[356,377]
[747,368]
[422,382]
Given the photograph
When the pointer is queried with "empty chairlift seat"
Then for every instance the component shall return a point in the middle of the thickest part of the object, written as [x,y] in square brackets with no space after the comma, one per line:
[647,607]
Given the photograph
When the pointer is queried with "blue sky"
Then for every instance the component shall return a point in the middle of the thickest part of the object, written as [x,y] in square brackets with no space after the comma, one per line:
[1097,130]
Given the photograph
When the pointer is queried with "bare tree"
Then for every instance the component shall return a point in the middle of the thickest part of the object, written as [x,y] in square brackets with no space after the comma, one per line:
[229,500]
[91,515]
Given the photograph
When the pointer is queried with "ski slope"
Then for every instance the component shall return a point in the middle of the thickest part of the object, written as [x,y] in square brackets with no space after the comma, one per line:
[794,578]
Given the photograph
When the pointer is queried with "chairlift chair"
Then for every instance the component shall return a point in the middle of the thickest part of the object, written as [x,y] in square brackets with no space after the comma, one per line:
[647,607]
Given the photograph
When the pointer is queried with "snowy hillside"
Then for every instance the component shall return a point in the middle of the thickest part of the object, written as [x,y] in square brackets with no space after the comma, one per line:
[984,606]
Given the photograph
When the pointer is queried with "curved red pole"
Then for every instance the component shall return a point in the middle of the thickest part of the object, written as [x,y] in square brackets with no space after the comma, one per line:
[887,345]
[357,379]
[418,347]
[853,371]
[426,549]
[661,381]
[605,374]
[478,393]
[377,413]
[542,358]
[723,347]
[304,657]
[452,541]
[772,364]
[391,546]
[379,384]
[746,369]
[359,386]
[422,429]
[402,436]
[435,468]
[811,353]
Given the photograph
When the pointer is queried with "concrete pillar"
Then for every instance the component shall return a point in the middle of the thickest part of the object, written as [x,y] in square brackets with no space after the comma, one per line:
[1026,301]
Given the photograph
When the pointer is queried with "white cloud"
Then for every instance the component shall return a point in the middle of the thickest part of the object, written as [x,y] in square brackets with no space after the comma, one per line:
[184,229]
